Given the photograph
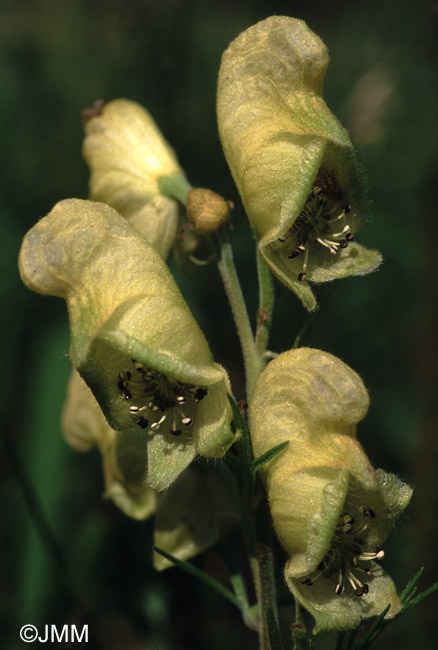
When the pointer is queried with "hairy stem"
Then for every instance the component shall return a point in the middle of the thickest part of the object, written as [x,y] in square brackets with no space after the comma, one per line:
[266,306]
[251,359]
[300,633]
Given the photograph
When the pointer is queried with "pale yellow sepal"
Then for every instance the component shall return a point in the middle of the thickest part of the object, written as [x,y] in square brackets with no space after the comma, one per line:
[127,154]
[334,613]
[84,426]
[125,308]
[128,157]
[158,222]
[314,400]
[281,141]
[192,515]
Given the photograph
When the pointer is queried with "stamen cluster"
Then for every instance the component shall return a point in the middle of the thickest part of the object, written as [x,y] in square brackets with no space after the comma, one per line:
[322,222]
[155,399]
[345,553]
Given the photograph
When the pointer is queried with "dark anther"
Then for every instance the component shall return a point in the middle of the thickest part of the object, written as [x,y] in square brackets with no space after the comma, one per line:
[200,393]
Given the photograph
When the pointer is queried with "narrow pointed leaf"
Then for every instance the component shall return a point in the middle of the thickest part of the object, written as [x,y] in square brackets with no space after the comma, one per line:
[408,590]
[258,462]
[200,575]
[374,631]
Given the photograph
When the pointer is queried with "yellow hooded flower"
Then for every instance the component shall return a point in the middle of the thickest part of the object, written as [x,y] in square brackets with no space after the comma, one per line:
[133,338]
[84,426]
[292,161]
[190,516]
[193,514]
[331,510]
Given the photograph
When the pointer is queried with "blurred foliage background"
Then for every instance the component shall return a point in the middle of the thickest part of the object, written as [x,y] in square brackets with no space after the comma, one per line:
[58,57]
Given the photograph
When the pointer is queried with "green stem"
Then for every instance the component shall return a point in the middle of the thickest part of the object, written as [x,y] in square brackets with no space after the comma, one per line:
[261,557]
[262,567]
[265,559]
[266,306]
[300,633]
[238,583]
[261,600]
[251,359]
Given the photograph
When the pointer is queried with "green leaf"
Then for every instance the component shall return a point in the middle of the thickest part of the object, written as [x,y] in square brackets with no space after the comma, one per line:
[420,597]
[377,627]
[258,462]
[408,600]
[411,586]
[200,575]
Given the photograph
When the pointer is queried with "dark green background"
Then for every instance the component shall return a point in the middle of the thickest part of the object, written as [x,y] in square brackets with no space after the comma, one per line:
[56,58]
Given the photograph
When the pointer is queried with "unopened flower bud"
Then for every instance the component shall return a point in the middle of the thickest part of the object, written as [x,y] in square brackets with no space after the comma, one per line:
[207,211]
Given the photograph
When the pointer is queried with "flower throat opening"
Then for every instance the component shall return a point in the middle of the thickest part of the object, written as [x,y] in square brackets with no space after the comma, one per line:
[157,401]
[321,224]
[346,554]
